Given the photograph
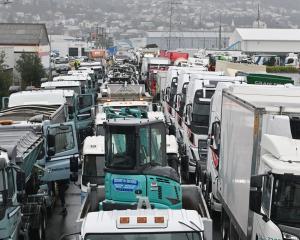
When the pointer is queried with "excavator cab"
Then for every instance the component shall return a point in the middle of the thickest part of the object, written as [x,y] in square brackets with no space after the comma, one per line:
[136,166]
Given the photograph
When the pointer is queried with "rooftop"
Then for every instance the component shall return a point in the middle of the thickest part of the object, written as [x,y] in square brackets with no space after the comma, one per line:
[269,34]
[23,34]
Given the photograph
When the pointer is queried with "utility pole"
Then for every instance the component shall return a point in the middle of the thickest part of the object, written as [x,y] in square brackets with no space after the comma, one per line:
[220,34]
[170,22]
[258,16]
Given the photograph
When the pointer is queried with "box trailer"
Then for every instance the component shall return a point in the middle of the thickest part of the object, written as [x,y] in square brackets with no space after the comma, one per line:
[259,166]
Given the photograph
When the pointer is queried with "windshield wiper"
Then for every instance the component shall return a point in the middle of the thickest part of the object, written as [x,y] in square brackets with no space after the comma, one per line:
[185,224]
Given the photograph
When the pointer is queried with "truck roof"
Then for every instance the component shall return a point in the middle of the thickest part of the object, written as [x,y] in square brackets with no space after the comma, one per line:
[81,77]
[40,97]
[130,121]
[94,145]
[271,98]
[284,154]
[109,221]
[84,71]
[54,84]
[199,81]
[157,60]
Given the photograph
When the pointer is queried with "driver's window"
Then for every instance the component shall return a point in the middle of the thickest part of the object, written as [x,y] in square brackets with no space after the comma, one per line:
[64,139]
[144,146]
[10,183]
[85,101]
[267,194]
[156,145]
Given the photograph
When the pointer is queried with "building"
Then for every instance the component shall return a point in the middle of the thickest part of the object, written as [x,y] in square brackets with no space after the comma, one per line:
[267,41]
[25,37]
[196,40]
[67,45]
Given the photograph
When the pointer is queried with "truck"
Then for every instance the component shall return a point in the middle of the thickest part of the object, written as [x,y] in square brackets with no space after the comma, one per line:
[259,177]
[53,115]
[23,209]
[210,177]
[150,64]
[85,80]
[37,142]
[196,121]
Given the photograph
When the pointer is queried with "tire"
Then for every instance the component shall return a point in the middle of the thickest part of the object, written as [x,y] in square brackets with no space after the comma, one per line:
[225,226]
[192,178]
[198,175]
[40,232]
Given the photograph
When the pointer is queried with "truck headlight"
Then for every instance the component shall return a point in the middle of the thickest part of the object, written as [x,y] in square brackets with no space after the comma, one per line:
[288,236]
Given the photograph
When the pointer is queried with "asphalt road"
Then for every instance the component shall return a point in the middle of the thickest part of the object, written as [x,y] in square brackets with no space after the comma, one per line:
[58,224]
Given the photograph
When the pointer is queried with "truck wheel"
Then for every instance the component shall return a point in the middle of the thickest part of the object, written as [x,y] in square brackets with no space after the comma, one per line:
[192,178]
[198,175]
[40,232]
[225,226]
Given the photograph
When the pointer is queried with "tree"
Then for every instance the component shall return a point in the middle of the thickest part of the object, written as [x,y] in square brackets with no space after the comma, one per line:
[31,69]
[5,78]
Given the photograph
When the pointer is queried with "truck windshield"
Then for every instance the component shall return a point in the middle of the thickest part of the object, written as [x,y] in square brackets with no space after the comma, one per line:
[286,200]
[2,180]
[147,236]
[2,188]
[121,152]
[93,169]
[200,117]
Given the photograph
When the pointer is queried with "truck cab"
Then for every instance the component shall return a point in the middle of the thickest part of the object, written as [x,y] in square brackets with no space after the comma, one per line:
[146,224]
[136,165]
[196,121]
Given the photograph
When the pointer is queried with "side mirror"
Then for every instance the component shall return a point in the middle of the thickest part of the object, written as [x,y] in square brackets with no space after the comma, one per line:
[51,141]
[154,107]
[3,198]
[20,181]
[74,177]
[51,152]
[255,194]
[74,166]
[93,113]
[70,110]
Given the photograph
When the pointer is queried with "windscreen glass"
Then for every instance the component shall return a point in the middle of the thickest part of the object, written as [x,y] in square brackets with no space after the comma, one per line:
[286,201]
[147,236]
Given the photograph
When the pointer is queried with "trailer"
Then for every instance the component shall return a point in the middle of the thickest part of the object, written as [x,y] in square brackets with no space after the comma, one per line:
[259,176]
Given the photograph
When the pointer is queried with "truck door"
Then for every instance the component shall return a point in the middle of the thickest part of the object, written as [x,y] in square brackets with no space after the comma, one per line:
[61,145]
[84,118]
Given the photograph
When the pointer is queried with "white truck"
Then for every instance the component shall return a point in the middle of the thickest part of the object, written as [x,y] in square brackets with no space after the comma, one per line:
[172,91]
[76,86]
[93,163]
[181,96]
[146,224]
[210,178]
[195,123]
[259,171]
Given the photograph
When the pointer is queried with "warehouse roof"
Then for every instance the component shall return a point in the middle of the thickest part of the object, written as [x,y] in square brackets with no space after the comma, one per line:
[23,34]
[195,34]
[269,34]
